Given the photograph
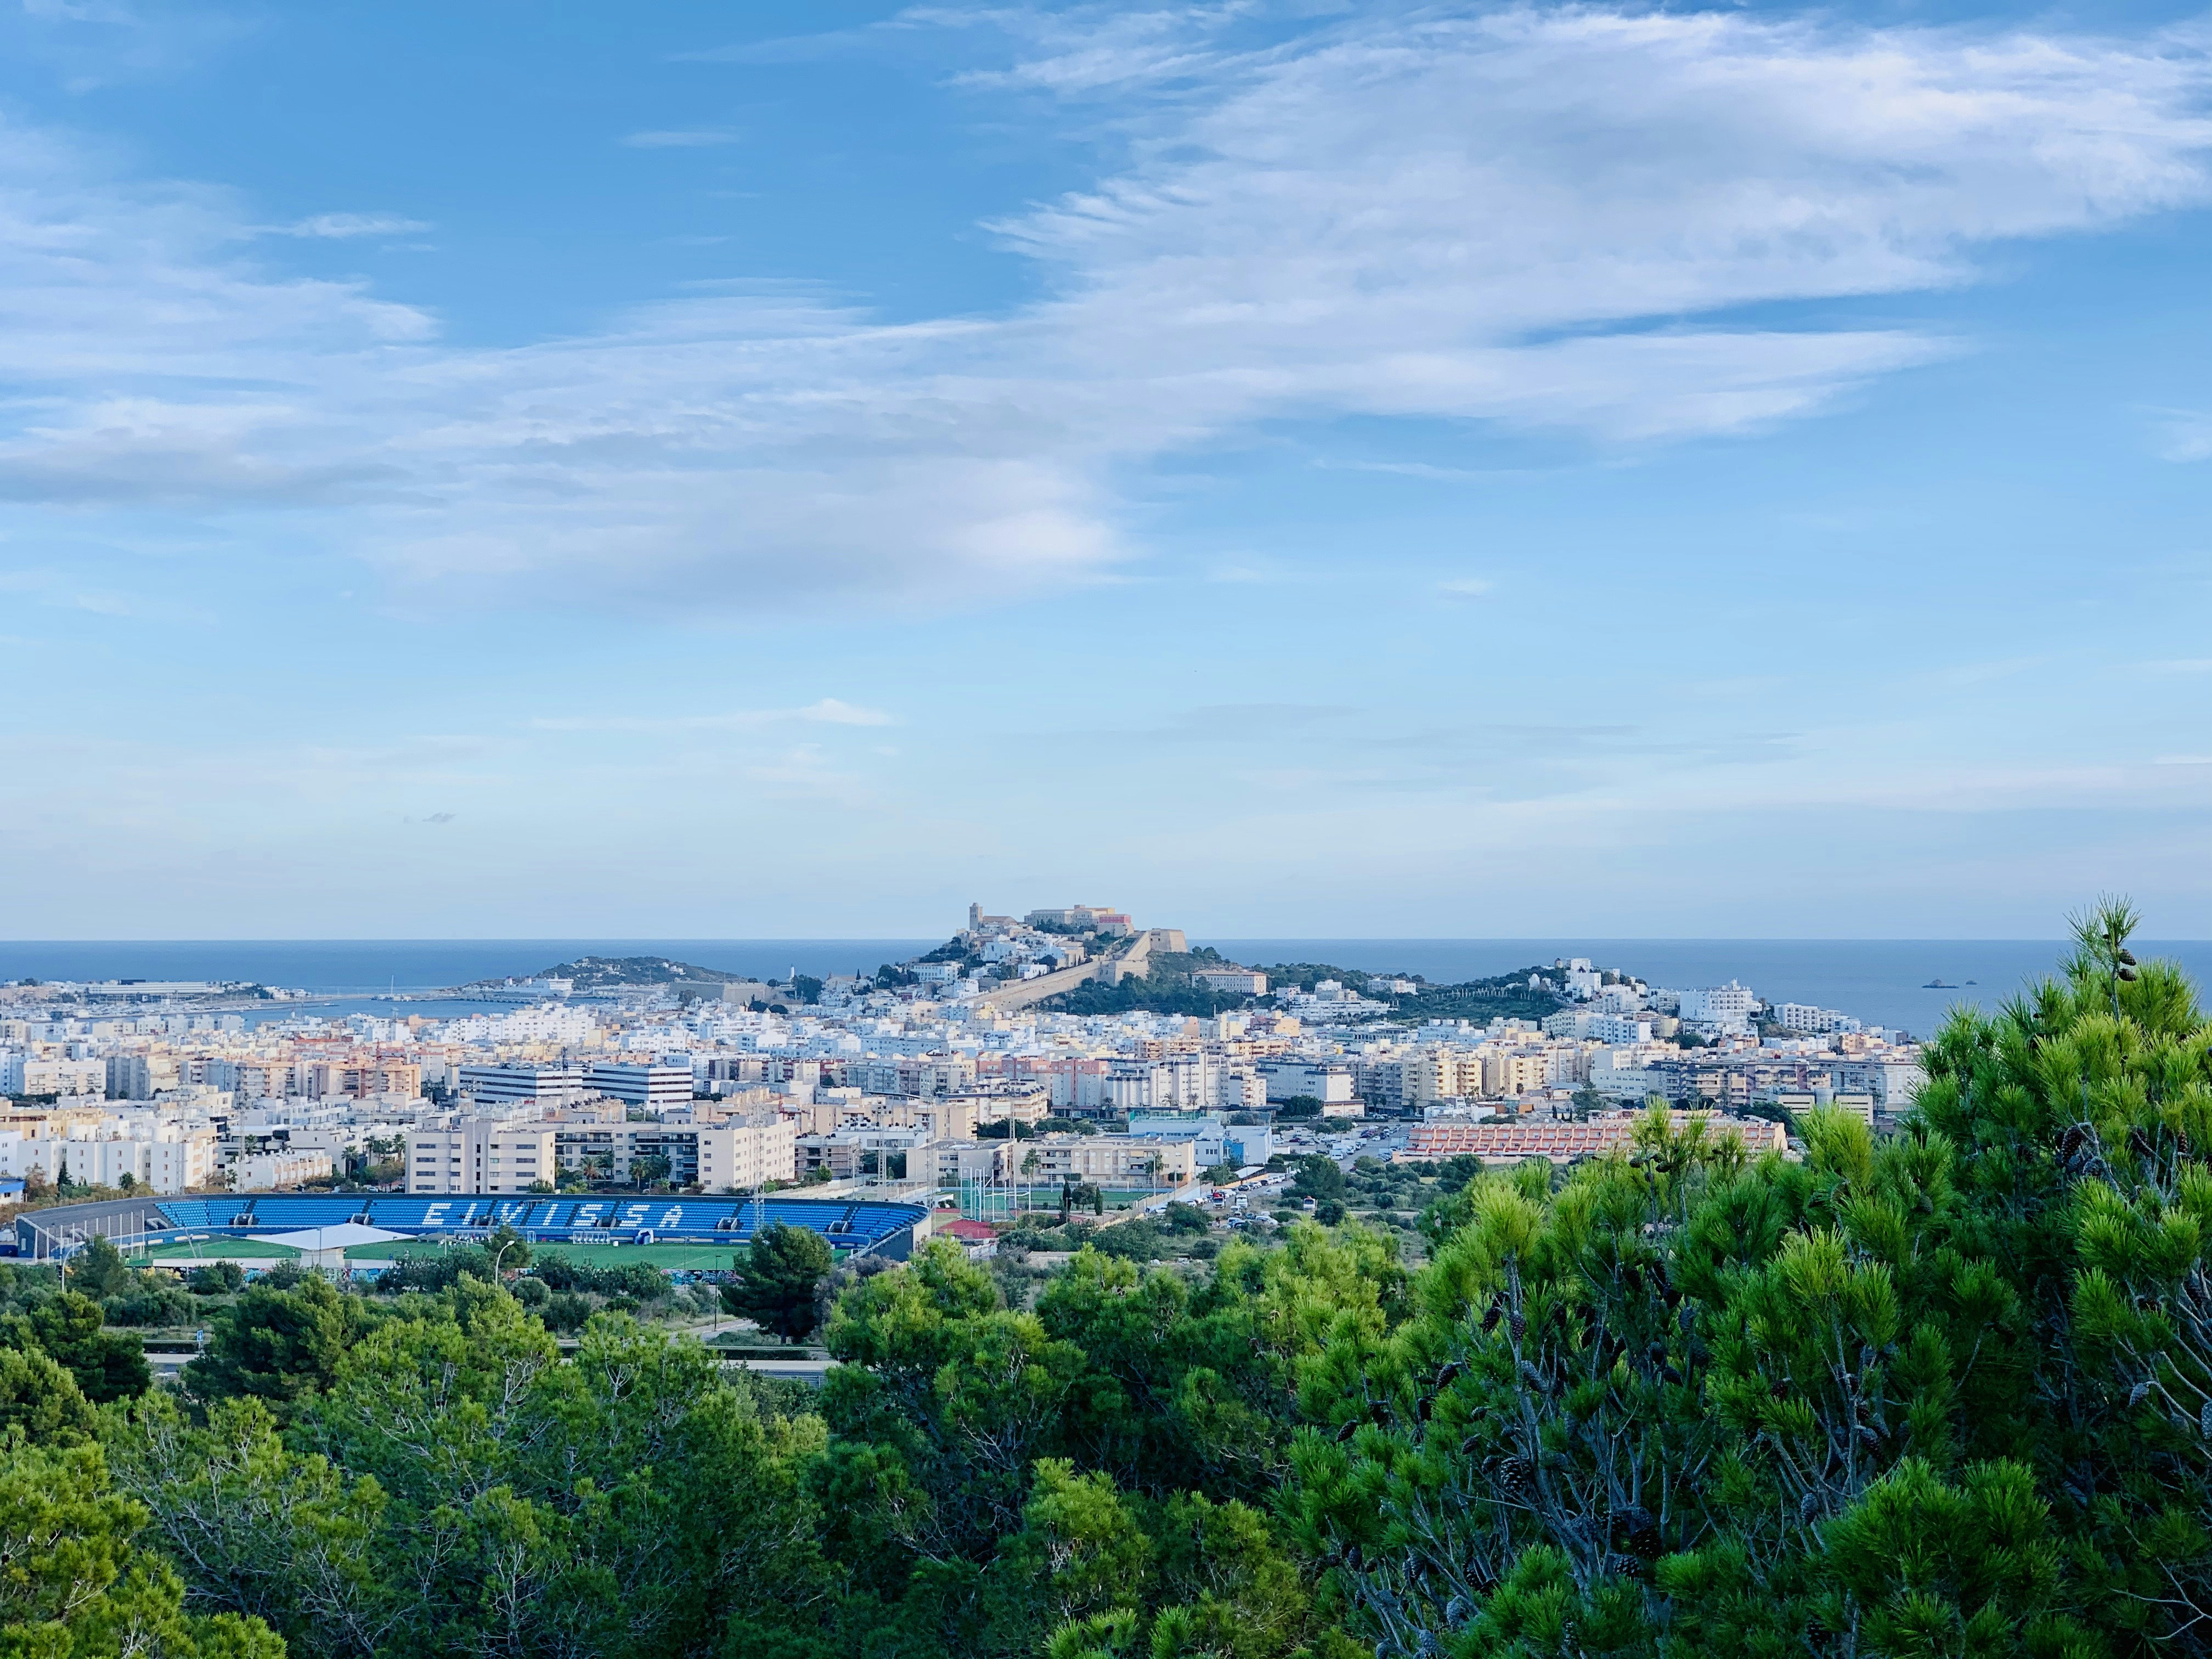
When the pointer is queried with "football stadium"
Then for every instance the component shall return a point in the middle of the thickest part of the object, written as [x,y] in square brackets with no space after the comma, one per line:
[353,1229]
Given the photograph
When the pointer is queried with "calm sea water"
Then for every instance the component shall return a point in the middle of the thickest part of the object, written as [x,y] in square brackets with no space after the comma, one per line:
[351,972]
[1881,981]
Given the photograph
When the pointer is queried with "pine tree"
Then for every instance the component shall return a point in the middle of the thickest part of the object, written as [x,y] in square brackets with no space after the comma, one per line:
[776,1279]
[1944,1392]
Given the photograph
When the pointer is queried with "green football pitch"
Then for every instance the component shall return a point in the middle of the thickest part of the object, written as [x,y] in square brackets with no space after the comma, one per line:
[215,1249]
[689,1258]
[684,1257]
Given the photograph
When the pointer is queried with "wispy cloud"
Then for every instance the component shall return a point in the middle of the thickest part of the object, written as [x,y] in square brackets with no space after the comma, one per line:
[2184,435]
[829,711]
[1093,49]
[1416,470]
[340,226]
[1465,587]
[1538,219]
[789,48]
[693,138]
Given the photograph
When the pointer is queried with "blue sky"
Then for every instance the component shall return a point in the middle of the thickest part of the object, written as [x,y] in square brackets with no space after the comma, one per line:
[707,471]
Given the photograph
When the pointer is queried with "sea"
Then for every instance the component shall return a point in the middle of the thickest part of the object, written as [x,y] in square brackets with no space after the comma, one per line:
[1907,985]
[393,976]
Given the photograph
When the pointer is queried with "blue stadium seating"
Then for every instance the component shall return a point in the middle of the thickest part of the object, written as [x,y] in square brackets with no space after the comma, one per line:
[848,1226]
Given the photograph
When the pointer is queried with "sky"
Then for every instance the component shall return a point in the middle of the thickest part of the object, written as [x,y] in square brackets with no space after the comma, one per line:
[696,470]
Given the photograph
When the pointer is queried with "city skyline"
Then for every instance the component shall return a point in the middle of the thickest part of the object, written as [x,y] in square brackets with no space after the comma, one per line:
[1470,473]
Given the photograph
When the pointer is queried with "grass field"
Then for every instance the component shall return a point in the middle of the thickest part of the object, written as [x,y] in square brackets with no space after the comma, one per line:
[685,1257]
[213,1249]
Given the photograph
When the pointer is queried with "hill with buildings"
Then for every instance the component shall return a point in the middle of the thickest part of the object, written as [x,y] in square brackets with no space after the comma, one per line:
[1203,982]
[615,973]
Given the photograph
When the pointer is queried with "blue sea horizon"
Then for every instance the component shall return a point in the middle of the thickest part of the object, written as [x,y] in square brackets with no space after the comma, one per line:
[1879,981]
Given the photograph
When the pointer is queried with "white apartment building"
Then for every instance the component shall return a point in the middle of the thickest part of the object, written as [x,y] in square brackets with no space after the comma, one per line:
[254,1079]
[1107,1160]
[1413,1080]
[1509,1072]
[270,1172]
[487,1154]
[1719,1008]
[1598,1025]
[1624,1075]
[1892,1079]
[1813,1021]
[130,1077]
[21,1075]
[749,1154]
[1236,1089]
[1026,1104]
[482,1155]
[160,1165]
[1173,1084]
[515,1086]
[656,1088]
[953,1161]
[942,1074]
[849,1151]
[1328,1081]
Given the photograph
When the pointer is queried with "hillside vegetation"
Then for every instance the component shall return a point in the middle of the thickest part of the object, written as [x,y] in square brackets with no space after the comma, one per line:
[1946,1393]
[608,972]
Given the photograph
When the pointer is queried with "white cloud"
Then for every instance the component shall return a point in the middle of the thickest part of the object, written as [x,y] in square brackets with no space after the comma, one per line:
[2184,435]
[335,226]
[1542,219]
[1093,49]
[1465,587]
[684,140]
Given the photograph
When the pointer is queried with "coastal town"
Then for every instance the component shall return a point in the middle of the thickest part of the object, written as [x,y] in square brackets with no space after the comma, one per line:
[1066,1049]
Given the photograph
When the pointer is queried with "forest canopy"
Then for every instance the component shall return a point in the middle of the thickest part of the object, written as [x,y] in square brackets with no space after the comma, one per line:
[1945,1391]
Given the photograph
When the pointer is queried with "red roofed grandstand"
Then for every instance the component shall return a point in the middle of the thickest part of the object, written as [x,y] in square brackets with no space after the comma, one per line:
[1511,1142]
